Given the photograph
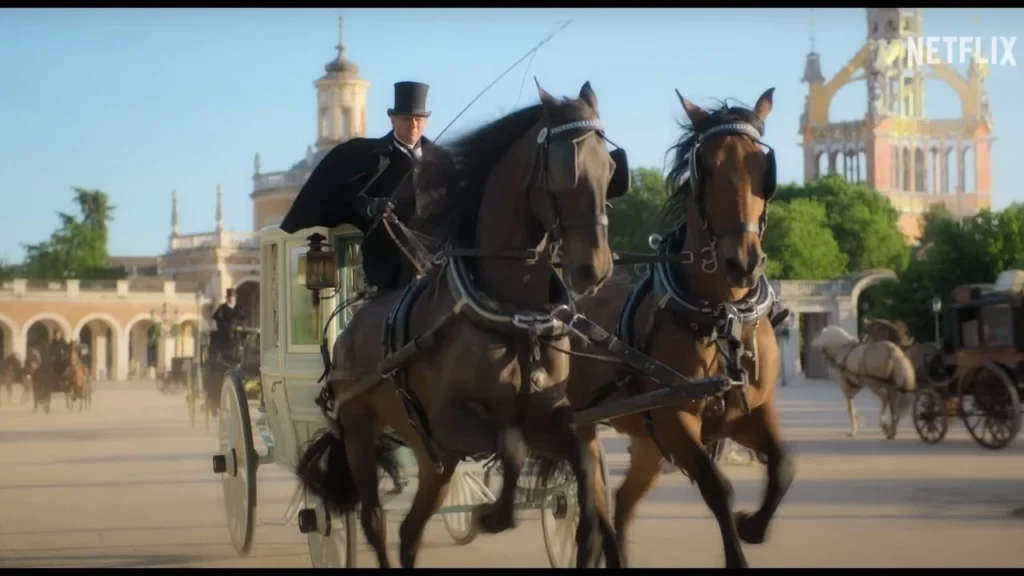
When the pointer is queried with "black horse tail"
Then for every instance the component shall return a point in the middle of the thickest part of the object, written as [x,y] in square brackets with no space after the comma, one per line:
[324,470]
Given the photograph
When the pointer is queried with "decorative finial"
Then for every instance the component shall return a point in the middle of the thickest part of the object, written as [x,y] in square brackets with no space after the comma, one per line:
[220,208]
[256,163]
[811,26]
[174,212]
[309,156]
[341,45]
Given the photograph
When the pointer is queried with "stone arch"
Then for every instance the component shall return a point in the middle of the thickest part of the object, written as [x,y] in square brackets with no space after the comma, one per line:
[821,162]
[920,170]
[247,294]
[967,180]
[862,166]
[9,334]
[950,178]
[141,352]
[869,278]
[103,346]
[49,321]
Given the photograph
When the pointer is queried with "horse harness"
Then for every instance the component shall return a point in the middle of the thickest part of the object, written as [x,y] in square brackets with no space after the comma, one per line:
[855,382]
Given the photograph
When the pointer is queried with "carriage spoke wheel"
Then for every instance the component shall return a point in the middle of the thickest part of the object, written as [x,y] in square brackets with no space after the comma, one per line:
[236,464]
[990,406]
[930,419]
[561,514]
[466,489]
[332,545]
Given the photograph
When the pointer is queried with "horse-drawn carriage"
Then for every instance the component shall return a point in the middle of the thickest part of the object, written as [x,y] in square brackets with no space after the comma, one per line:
[288,417]
[207,377]
[978,377]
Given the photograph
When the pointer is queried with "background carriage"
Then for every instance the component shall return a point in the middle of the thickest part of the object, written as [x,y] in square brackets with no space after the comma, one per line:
[978,377]
[286,415]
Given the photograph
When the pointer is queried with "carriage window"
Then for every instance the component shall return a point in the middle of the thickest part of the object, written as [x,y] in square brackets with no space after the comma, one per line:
[350,274]
[300,322]
[269,330]
[997,325]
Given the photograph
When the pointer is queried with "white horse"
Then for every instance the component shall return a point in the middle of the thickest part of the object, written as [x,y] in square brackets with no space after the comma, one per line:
[880,366]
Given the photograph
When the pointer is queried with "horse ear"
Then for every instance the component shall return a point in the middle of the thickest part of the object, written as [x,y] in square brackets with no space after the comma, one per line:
[764,104]
[695,113]
[587,95]
[545,98]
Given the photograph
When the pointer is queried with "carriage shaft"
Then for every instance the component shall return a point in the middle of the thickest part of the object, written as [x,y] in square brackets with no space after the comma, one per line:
[691,391]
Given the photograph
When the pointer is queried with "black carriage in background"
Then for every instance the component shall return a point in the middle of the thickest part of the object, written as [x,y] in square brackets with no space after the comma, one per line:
[977,379]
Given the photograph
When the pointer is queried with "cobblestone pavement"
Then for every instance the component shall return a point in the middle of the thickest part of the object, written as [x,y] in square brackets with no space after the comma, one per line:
[128,483]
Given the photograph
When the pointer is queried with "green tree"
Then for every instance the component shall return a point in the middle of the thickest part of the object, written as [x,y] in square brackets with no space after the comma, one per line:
[78,249]
[953,253]
[799,242]
[862,221]
[637,215]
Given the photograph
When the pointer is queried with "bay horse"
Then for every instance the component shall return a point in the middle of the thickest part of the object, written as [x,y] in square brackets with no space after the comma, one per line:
[13,372]
[703,310]
[76,379]
[485,375]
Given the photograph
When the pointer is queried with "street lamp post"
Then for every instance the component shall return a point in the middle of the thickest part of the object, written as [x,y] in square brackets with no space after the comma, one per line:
[936,309]
[784,333]
[166,328]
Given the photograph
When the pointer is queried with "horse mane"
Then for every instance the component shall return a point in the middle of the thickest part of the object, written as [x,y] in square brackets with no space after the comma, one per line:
[475,154]
[896,332]
[674,208]
[833,336]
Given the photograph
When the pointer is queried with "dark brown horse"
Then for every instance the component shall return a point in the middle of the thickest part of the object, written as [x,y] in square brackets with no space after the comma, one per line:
[486,376]
[704,312]
[12,372]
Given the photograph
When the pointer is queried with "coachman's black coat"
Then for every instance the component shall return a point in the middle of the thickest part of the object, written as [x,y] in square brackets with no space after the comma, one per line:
[227,318]
[355,173]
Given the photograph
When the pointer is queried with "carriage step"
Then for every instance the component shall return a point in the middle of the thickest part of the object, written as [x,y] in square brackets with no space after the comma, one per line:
[307,520]
[220,464]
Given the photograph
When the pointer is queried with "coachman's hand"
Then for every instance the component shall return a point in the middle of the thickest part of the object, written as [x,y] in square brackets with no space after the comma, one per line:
[378,206]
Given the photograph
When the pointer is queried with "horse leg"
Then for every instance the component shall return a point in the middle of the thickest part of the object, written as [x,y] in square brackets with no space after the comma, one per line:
[590,533]
[610,544]
[496,517]
[679,433]
[851,410]
[361,450]
[430,494]
[644,470]
[760,432]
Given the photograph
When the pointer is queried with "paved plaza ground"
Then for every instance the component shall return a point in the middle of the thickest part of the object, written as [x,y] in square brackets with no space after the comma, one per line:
[128,483]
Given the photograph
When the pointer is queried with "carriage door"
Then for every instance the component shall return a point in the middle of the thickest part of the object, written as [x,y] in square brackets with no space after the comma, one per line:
[350,273]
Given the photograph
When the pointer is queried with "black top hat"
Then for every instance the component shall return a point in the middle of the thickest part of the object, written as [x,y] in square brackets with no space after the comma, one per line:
[229,292]
[410,99]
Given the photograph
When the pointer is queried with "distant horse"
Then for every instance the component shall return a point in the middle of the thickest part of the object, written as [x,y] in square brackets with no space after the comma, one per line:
[13,372]
[76,379]
[40,376]
[880,366]
[926,357]
[705,312]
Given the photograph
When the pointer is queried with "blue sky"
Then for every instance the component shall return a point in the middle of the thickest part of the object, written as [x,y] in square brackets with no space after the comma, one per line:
[140,102]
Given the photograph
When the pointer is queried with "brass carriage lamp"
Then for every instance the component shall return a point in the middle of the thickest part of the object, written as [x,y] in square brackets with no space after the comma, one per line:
[319,273]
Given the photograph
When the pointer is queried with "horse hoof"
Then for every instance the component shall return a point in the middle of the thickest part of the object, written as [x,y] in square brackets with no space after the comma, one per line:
[485,518]
[747,531]
[851,434]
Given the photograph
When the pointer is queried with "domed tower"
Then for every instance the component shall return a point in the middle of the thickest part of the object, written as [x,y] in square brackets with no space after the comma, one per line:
[915,161]
[341,115]
[341,101]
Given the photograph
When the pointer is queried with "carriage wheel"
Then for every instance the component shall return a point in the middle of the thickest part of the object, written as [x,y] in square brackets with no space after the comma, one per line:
[561,514]
[237,463]
[466,489]
[332,539]
[929,414]
[990,406]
